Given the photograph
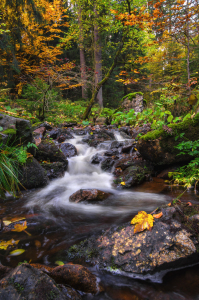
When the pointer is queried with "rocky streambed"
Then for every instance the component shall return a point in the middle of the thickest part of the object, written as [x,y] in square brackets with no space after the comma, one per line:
[88,189]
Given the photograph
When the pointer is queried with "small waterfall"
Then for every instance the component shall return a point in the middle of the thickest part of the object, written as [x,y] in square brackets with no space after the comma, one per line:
[82,174]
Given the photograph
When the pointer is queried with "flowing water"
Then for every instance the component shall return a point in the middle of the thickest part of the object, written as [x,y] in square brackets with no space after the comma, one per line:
[55,224]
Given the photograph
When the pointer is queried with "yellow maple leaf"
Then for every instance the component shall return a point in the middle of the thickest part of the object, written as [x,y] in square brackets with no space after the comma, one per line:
[20,227]
[122,183]
[4,244]
[143,221]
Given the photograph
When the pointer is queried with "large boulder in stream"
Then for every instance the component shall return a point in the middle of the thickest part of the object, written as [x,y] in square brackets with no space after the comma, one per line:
[26,282]
[32,175]
[89,195]
[48,151]
[130,172]
[169,244]
[68,149]
[158,146]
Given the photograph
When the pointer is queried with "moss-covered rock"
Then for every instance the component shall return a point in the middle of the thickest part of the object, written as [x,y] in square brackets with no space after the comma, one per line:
[158,146]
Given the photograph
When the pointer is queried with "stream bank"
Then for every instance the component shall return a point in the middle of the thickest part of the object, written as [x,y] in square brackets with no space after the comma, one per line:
[57,224]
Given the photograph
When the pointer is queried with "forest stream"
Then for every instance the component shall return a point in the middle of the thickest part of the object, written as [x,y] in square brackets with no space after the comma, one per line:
[55,224]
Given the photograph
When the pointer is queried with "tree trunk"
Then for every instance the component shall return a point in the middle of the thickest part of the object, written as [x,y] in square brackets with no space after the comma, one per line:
[188,48]
[82,55]
[100,84]
[97,59]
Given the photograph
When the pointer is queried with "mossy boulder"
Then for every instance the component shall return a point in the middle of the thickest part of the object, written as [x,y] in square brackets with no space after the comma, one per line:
[133,101]
[158,146]
[15,129]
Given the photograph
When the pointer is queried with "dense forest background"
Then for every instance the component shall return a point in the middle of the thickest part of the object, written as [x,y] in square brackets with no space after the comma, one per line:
[58,55]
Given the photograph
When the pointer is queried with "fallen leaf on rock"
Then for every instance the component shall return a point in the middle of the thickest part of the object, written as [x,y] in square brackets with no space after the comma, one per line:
[13,220]
[16,252]
[169,204]
[143,221]
[59,263]
[122,183]
[189,203]
[4,244]
[21,227]
[157,216]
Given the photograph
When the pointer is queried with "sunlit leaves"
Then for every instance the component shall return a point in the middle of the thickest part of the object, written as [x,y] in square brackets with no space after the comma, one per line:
[142,221]
[16,252]
[4,244]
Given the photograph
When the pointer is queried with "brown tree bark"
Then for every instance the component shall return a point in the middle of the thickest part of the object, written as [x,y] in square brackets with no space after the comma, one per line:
[82,55]
[97,59]
[100,84]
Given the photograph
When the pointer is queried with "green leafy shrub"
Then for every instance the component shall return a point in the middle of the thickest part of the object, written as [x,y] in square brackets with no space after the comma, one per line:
[188,175]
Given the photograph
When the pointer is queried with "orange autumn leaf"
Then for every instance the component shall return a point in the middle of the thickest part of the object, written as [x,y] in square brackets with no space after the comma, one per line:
[169,204]
[189,203]
[20,227]
[143,221]
[157,216]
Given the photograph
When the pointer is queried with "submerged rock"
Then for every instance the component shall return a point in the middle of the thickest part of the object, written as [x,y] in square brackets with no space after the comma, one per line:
[90,195]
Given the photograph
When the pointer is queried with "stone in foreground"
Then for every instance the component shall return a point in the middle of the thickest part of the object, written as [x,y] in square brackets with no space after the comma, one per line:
[90,195]
[167,245]
[26,282]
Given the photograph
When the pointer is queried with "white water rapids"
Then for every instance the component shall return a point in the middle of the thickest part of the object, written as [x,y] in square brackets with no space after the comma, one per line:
[82,174]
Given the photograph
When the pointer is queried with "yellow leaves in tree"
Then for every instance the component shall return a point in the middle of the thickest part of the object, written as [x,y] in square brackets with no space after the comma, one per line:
[142,221]
[4,244]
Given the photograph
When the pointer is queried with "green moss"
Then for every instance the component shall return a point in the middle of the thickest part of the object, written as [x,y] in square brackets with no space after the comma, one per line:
[176,129]
[9,131]
[132,95]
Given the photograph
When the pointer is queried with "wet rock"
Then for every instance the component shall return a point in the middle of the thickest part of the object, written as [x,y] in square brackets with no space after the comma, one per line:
[32,175]
[116,144]
[68,150]
[26,282]
[4,271]
[135,174]
[107,164]
[39,131]
[90,195]
[96,159]
[67,133]
[80,131]
[55,133]
[47,150]
[61,138]
[77,276]
[124,135]
[141,253]
[111,152]
[55,169]
[128,148]
[98,136]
